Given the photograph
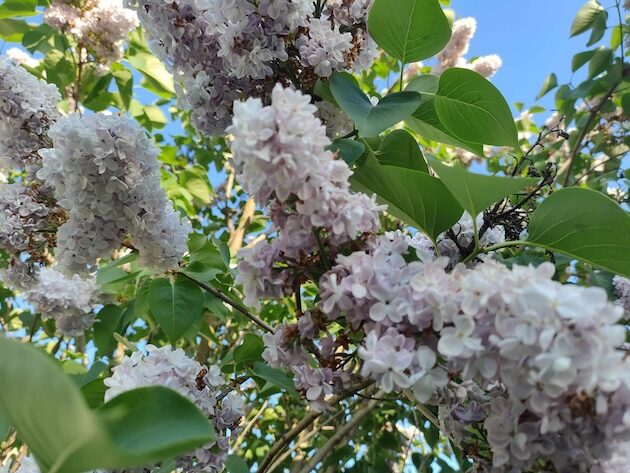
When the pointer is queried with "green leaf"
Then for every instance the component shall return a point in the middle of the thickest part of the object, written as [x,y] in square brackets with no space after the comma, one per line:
[371,119]
[400,149]
[13,30]
[124,82]
[33,39]
[4,425]
[94,393]
[601,60]
[551,82]
[349,150]
[411,30]
[616,37]
[236,464]
[598,28]
[584,224]
[176,307]
[585,17]
[418,199]
[476,192]
[15,8]
[201,271]
[250,350]
[580,59]
[274,376]
[154,71]
[136,428]
[425,120]
[108,321]
[473,109]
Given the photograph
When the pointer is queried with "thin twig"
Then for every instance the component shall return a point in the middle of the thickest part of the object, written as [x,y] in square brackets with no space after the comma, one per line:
[578,144]
[219,294]
[250,424]
[339,436]
[279,445]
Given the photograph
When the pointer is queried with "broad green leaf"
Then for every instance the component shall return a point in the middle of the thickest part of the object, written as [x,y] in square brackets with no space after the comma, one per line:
[51,416]
[371,119]
[580,59]
[584,224]
[598,28]
[177,306]
[201,271]
[425,120]
[33,39]
[13,30]
[585,17]
[108,320]
[347,149]
[16,8]
[400,149]
[476,192]
[601,61]
[322,90]
[124,82]
[250,350]
[94,393]
[236,464]
[616,37]
[416,198]
[154,71]
[410,30]
[551,82]
[473,110]
[4,425]
[274,376]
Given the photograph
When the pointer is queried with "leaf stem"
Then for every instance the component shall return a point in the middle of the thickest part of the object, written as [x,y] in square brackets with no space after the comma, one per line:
[489,249]
[242,309]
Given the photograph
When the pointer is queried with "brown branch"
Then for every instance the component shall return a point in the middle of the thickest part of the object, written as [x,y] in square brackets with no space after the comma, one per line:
[277,447]
[242,309]
[238,234]
[339,437]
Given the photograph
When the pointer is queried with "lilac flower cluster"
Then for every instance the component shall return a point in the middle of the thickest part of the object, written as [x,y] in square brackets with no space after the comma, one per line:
[104,173]
[220,51]
[552,348]
[171,368]
[67,300]
[453,53]
[28,107]
[100,26]
[622,291]
[280,156]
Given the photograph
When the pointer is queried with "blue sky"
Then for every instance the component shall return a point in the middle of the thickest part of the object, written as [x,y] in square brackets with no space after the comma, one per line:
[532,38]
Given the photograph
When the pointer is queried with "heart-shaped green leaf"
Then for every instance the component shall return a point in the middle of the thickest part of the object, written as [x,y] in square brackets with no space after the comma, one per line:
[409,30]
[425,120]
[476,192]
[585,17]
[347,149]
[418,199]
[51,416]
[371,119]
[584,224]
[400,149]
[176,307]
[473,110]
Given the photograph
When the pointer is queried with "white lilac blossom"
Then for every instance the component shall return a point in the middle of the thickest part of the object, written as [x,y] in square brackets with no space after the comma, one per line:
[220,51]
[324,47]
[486,66]
[464,233]
[552,347]
[170,367]
[19,57]
[622,291]
[28,464]
[280,156]
[453,53]
[28,106]
[22,219]
[68,301]
[104,173]
[100,26]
